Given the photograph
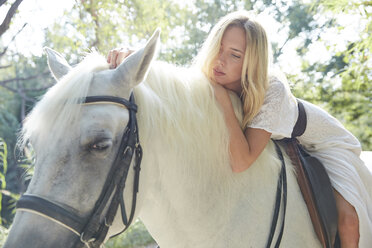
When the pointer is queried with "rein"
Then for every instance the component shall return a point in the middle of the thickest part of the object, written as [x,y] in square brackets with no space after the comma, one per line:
[281,191]
[93,230]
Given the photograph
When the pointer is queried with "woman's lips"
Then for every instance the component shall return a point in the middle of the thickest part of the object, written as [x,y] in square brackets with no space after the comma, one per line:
[218,73]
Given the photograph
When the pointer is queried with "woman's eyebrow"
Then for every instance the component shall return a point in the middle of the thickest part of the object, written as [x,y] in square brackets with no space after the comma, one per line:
[236,50]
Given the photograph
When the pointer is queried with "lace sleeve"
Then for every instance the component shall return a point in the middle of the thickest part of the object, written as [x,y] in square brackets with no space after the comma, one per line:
[278,113]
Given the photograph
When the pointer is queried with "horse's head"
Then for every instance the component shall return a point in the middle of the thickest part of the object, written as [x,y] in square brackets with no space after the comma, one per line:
[76,144]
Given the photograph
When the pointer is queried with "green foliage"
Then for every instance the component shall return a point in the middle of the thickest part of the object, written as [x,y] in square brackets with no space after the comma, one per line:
[358,53]
[344,82]
[8,165]
[9,125]
[198,21]
[3,169]
[4,193]
[135,237]
[108,24]
[25,81]
[3,234]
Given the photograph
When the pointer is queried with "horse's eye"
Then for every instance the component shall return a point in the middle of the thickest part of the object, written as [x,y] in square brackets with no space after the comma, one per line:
[101,145]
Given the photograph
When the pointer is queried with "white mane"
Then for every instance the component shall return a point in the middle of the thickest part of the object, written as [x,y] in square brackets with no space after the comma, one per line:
[179,117]
[177,108]
[59,107]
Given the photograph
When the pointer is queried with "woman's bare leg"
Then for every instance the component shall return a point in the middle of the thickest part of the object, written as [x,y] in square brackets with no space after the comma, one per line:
[348,223]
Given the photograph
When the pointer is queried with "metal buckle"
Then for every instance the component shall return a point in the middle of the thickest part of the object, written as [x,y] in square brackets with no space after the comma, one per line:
[107,224]
[128,148]
[86,242]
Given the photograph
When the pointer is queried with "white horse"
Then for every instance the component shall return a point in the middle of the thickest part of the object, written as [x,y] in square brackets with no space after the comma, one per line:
[188,195]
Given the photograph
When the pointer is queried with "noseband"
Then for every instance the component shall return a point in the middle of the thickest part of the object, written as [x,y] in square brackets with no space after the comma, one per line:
[93,230]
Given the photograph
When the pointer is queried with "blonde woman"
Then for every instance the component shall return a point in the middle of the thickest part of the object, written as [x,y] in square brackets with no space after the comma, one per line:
[235,57]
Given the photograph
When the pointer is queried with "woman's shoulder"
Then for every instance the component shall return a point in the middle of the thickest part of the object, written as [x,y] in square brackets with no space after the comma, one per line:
[278,79]
[278,113]
[278,89]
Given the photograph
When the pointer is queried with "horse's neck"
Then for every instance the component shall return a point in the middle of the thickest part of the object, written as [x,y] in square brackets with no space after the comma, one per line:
[185,139]
[188,191]
[185,168]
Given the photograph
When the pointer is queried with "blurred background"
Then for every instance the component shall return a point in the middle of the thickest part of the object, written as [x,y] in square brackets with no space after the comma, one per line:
[323,47]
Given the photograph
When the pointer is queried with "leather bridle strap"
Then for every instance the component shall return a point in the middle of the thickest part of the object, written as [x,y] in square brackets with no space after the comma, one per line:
[40,206]
[116,179]
[132,148]
[93,230]
[122,102]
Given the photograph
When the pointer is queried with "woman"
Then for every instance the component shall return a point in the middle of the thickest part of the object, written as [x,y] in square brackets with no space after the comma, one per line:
[235,57]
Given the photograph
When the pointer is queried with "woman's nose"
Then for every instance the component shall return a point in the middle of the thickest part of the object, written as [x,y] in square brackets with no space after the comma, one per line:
[221,59]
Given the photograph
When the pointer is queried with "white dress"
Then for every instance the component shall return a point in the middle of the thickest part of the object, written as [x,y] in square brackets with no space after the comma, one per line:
[327,139]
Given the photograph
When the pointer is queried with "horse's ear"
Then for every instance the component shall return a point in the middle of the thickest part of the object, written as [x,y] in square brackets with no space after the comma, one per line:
[57,63]
[133,70]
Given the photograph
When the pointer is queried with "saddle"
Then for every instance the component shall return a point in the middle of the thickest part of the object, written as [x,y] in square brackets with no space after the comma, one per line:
[314,184]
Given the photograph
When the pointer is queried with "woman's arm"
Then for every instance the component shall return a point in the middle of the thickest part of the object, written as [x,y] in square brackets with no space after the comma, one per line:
[244,147]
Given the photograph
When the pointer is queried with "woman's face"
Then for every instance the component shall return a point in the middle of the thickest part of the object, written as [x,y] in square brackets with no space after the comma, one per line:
[227,67]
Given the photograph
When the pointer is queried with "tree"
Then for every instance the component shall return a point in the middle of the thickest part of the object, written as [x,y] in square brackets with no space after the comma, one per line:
[343,84]
[8,120]
[109,24]
[4,26]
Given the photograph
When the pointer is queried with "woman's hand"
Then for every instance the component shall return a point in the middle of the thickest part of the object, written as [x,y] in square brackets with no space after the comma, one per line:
[117,55]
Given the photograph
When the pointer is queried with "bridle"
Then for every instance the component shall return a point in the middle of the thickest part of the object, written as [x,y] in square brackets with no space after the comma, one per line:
[92,231]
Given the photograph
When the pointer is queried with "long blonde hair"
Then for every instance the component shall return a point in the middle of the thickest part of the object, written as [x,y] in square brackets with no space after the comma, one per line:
[254,78]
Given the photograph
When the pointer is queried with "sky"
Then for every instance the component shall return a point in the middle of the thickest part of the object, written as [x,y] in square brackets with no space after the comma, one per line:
[41,14]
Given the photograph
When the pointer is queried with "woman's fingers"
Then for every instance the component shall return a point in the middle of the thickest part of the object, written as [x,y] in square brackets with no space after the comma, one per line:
[109,57]
[122,55]
[112,57]
[117,55]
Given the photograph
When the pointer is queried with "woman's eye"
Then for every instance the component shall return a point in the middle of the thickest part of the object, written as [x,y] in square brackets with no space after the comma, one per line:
[235,56]
[101,145]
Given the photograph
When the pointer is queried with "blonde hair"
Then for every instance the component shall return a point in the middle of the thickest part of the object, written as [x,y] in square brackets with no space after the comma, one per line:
[254,78]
